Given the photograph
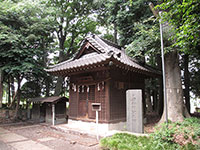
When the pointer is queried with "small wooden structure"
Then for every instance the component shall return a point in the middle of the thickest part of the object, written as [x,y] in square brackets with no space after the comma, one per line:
[49,109]
[101,72]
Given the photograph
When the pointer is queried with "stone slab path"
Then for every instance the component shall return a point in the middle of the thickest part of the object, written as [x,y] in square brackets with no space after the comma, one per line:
[43,137]
[18,142]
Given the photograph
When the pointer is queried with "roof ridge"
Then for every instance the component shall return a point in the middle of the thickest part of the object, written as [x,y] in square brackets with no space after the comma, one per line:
[61,63]
[92,40]
[110,43]
[113,46]
[107,50]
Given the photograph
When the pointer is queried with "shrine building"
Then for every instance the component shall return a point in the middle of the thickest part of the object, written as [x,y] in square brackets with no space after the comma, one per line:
[101,73]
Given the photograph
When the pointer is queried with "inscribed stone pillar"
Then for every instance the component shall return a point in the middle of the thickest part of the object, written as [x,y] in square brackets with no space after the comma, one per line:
[134,116]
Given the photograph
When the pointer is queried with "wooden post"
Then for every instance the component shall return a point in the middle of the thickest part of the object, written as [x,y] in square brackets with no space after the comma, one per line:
[97,107]
[53,114]
[97,124]
[1,88]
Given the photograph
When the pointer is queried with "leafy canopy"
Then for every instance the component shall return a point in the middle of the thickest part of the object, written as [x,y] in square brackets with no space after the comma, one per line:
[184,15]
[25,30]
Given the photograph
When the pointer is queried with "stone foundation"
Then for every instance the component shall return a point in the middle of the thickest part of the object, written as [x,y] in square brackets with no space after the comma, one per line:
[9,114]
[57,121]
[103,128]
[6,113]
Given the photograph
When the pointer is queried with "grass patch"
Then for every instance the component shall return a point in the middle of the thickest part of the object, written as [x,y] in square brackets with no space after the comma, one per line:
[179,136]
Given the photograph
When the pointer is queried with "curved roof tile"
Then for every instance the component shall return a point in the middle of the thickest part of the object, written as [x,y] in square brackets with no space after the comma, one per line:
[108,50]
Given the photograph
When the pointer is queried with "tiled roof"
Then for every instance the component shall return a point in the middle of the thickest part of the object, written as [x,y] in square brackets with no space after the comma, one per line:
[108,51]
[53,99]
[86,60]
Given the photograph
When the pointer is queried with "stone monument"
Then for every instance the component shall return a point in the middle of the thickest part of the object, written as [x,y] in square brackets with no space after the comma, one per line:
[134,111]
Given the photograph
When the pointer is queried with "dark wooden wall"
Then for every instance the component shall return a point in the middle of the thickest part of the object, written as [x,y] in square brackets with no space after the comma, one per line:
[121,81]
[73,104]
[60,109]
[112,97]
[77,107]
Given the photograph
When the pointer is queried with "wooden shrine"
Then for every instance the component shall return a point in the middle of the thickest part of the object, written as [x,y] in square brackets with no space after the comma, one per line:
[101,72]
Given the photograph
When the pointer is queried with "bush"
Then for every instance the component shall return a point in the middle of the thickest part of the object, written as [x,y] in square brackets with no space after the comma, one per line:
[125,141]
[180,136]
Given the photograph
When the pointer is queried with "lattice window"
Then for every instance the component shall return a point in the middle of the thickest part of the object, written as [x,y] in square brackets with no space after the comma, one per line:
[91,94]
[82,93]
[87,92]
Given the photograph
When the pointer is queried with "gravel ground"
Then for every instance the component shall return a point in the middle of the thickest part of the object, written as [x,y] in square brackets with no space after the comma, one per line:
[50,137]
[4,146]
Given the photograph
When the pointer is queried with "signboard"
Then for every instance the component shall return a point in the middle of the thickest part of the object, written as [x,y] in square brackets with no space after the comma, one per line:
[96,106]
[134,111]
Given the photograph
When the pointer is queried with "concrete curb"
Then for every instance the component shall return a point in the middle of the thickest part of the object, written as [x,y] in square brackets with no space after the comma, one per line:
[75,132]
[69,130]
[135,134]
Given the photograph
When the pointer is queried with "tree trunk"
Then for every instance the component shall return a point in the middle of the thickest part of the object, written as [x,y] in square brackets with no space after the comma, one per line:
[12,85]
[59,83]
[59,86]
[47,86]
[115,33]
[18,97]
[47,78]
[160,104]
[63,57]
[173,88]
[13,100]
[9,92]
[14,94]
[148,101]
[1,88]
[186,82]
[61,38]
[60,79]
[160,99]
[155,100]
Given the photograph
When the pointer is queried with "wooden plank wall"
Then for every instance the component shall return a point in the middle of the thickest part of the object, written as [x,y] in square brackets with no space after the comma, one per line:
[112,97]
[73,104]
[120,83]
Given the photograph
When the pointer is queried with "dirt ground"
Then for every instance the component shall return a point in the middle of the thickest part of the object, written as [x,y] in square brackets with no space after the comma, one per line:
[50,138]
[45,135]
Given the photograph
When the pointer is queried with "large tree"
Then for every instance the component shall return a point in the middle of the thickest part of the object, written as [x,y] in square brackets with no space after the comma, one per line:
[25,31]
[146,41]
[180,29]
[147,44]
[121,17]
[73,22]
[183,16]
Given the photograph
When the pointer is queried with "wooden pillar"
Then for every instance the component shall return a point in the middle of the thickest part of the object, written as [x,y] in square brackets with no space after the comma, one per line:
[107,101]
[53,114]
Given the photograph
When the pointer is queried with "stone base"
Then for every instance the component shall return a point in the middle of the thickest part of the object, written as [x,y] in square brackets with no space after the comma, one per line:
[57,121]
[103,128]
[60,121]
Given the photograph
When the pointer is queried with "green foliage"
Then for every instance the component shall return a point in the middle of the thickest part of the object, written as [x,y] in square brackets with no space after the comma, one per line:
[23,36]
[122,16]
[184,17]
[123,141]
[73,21]
[30,89]
[195,74]
[25,39]
[147,39]
[165,137]
[179,133]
